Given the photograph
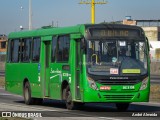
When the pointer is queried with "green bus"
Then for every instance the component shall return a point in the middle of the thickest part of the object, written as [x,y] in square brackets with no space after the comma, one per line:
[100,63]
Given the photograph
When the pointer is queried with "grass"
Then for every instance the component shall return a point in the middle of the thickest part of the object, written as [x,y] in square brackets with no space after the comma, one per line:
[2,82]
[154,92]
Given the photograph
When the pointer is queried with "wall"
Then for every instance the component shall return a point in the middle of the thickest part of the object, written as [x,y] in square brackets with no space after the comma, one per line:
[2,66]
[155,68]
[151,33]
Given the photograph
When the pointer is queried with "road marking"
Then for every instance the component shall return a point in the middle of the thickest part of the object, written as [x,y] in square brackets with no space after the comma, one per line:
[147,103]
[108,118]
[28,107]
[6,94]
[43,109]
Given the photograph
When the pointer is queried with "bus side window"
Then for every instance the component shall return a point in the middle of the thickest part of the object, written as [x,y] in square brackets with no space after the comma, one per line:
[26,49]
[15,50]
[54,44]
[63,48]
[36,49]
[66,49]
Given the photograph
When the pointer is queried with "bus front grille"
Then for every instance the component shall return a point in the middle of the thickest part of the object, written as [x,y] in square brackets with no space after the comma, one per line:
[118,82]
[118,97]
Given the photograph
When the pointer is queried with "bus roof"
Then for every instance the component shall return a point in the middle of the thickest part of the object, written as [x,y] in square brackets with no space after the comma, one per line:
[64,30]
[46,32]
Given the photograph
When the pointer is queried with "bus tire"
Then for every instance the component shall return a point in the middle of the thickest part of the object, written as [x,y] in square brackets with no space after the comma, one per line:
[70,105]
[27,94]
[122,106]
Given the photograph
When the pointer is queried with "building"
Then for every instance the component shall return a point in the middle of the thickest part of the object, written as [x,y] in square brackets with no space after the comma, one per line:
[152,33]
[150,27]
[129,21]
[3,46]
[154,51]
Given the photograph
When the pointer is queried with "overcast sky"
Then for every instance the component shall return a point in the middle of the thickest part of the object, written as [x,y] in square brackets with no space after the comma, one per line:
[14,13]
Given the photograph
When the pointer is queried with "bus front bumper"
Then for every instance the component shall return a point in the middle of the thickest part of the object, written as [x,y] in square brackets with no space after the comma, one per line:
[113,97]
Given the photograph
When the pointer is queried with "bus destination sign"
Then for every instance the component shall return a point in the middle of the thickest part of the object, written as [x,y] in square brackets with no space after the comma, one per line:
[113,33]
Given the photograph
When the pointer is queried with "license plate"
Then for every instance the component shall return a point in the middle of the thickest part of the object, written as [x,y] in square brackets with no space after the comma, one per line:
[128,87]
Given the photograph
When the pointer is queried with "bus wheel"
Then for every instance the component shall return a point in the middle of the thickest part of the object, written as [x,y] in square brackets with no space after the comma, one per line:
[68,99]
[27,94]
[122,106]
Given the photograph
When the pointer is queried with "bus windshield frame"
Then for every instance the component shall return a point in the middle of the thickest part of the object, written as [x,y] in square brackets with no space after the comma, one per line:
[120,63]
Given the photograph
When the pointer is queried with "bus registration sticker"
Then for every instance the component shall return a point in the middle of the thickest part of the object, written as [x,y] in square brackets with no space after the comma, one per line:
[114,71]
[131,71]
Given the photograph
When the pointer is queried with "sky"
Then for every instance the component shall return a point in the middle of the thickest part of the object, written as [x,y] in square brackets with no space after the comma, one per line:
[14,13]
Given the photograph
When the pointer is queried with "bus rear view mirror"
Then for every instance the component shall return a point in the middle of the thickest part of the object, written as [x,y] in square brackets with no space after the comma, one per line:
[83,44]
[148,45]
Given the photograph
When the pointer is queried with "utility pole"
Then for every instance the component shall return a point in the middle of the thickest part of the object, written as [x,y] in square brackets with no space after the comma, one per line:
[30,14]
[92,3]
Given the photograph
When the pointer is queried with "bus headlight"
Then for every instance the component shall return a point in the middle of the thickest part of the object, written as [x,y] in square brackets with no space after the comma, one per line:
[92,84]
[144,84]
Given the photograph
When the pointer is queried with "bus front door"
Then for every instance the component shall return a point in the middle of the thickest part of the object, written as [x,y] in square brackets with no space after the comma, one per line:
[78,69]
[46,68]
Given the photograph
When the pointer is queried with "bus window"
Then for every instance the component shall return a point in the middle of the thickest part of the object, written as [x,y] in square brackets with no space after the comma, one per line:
[54,44]
[36,50]
[26,48]
[63,49]
[15,50]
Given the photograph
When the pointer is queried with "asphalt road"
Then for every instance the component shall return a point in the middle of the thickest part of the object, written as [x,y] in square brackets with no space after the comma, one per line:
[96,111]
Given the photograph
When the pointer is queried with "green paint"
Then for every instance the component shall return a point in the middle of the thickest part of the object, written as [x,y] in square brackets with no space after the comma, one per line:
[46,77]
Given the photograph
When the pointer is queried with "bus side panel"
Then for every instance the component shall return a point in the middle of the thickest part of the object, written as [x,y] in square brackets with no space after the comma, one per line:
[12,77]
[57,76]
[55,81]
[15,75]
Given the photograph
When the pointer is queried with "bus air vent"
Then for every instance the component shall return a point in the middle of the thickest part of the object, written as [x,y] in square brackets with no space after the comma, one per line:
[118,97]
[118,82]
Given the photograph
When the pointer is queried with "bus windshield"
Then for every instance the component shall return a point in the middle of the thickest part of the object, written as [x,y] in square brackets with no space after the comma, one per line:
[116,57]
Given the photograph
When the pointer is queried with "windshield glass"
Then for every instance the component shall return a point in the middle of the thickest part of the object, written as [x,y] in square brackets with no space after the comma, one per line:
[116,57]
